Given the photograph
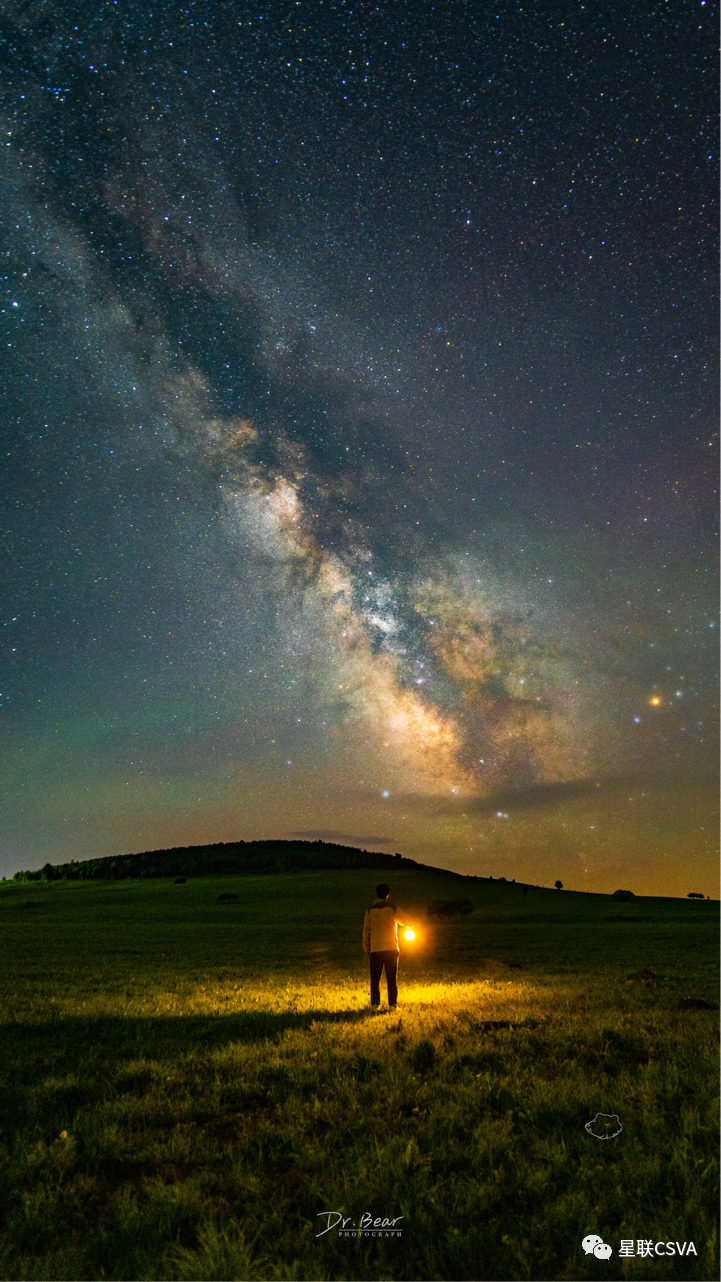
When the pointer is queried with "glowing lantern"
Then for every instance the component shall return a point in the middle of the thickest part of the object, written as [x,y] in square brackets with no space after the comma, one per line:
[409,934]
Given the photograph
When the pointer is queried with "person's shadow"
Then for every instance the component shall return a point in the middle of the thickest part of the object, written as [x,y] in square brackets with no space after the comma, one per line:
[90,1039]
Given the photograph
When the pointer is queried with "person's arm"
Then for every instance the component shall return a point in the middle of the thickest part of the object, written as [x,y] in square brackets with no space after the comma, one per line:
[366,934]
[403,922]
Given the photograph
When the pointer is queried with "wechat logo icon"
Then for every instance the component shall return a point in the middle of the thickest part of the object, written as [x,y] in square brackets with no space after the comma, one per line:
[595,1245]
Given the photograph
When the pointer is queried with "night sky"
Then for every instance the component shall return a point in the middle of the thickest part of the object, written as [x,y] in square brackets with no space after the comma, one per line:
[360,433]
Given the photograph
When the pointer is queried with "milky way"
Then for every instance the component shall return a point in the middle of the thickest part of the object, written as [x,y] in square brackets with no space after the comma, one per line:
[360,440]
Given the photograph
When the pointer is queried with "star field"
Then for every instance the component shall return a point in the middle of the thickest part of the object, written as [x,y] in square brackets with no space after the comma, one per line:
[360,433]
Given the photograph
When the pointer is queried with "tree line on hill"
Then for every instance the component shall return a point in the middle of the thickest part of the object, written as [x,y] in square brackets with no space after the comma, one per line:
[222,858]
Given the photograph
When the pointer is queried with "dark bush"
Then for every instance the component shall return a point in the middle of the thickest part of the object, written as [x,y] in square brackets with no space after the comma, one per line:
[179,881]
[623,894]
[363,1068]
[449,908]
[694,894]
[423,1056]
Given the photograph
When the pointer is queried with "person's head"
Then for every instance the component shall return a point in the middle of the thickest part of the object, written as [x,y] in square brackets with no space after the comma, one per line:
[383,891]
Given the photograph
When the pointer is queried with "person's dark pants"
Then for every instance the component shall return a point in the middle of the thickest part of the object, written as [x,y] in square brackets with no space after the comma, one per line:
[388,958]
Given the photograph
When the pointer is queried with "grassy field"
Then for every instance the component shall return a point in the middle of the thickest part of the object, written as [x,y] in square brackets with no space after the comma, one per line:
[188,1085]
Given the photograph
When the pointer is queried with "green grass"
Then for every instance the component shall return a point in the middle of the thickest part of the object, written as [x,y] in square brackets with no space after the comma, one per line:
[187,1084]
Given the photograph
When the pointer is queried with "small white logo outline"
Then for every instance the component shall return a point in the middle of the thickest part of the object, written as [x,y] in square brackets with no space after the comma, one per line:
[604,1126]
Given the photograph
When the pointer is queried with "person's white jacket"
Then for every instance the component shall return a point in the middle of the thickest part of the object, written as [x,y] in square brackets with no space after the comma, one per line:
[380,927]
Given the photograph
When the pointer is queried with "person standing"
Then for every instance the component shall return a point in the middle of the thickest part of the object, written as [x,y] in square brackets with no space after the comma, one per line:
[380,942]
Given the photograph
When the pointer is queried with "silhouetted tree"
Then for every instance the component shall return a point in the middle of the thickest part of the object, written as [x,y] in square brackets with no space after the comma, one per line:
[559,885]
